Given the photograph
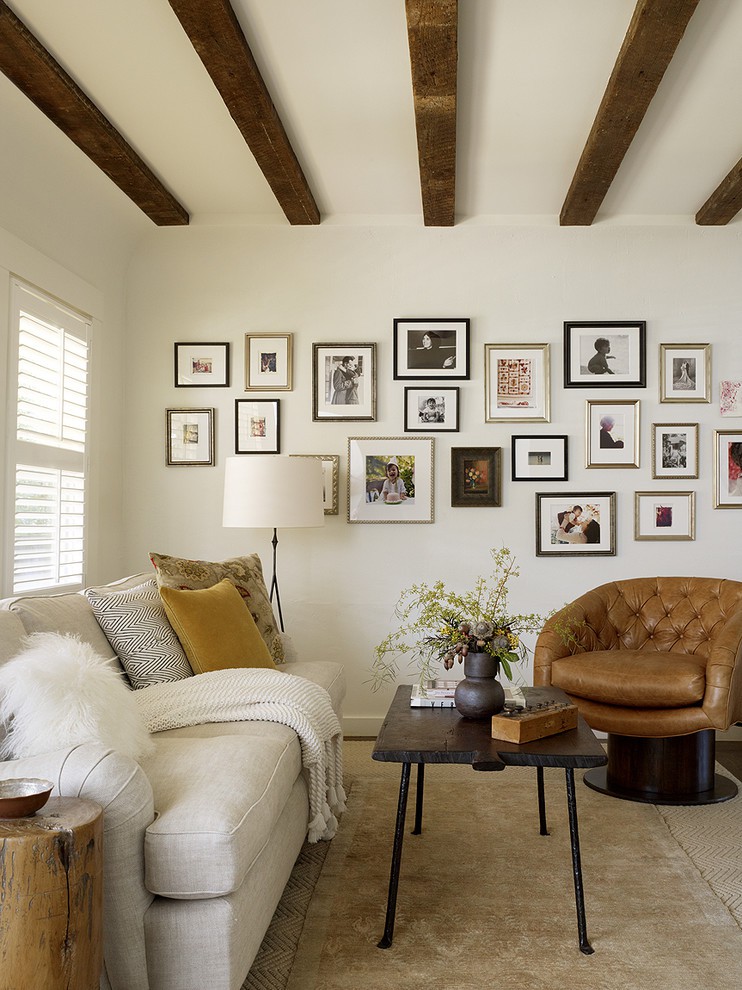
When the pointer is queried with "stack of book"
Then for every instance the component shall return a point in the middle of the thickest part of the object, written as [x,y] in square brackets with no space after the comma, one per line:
[437,693]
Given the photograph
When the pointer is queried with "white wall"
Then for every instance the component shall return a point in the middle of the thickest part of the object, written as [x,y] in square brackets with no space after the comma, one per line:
[339,585]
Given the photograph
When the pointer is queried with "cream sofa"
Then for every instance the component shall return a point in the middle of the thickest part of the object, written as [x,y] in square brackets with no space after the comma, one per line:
[199,840]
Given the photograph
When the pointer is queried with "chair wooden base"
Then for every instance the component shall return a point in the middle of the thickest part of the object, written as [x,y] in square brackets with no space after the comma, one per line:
[670,770]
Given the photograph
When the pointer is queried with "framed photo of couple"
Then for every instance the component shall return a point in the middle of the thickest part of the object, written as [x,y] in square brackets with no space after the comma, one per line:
[605,355]
[576,523]
[430,348]
[343,382]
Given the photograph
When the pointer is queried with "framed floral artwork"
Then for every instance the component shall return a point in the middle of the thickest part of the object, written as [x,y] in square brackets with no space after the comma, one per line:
[190,437]
[516,383]
[539,458]
[268,362]
[431,408]
[730,398]
[343,382]
[605,355]
[431,348]
[570,523]
[476,476]
[612,433]
[201,365]
[390,479]
[728,469]
[256,426]
[674,450]
[664,515]
[685,372]
[330,472]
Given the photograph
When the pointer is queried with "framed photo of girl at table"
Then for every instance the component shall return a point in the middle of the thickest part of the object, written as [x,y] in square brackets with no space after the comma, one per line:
[572,523]
[390,479]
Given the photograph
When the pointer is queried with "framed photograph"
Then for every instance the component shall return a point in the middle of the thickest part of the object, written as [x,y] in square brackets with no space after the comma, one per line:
[476,476]
[256,426]
[428,409]
[190,437]
[343,382]
[431,349]
[539,458]
[730,398]
[674,450]
[685,372]
[612,433]
[664,515]
[576,523]
[201,365]
[268,362]
[516,383]
[330,472]
[605,355]
[727,469]
[390,479]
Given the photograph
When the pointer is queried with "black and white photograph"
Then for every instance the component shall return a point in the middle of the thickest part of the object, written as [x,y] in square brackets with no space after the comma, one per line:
[685,372]
[427,409]
[429,348]
[675,450]
[605,355]
[578,523]
[612,433]
[343,382]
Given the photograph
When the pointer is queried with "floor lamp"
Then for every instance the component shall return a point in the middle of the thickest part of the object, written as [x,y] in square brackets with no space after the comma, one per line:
[271,491]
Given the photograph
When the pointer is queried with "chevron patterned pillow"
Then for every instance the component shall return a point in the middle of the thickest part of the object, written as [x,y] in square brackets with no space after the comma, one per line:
[136,626]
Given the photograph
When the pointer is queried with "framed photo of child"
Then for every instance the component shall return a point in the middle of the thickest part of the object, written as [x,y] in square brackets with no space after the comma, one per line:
[605,355]
[390,479]
[431,408]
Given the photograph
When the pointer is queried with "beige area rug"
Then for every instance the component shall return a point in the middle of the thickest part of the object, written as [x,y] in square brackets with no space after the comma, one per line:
[484,900]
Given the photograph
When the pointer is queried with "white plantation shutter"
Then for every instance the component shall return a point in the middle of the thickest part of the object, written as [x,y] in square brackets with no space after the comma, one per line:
[49,388]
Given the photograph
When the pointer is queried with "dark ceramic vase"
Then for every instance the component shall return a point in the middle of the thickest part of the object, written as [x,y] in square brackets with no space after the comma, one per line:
[479,694]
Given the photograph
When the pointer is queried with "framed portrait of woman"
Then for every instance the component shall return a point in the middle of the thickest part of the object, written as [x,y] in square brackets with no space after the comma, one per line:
[430,348]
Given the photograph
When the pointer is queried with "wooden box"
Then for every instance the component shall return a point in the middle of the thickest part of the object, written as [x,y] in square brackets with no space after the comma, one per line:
[534,723]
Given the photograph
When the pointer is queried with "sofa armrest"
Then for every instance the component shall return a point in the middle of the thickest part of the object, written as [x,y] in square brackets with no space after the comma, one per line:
[121,787]
[573,629]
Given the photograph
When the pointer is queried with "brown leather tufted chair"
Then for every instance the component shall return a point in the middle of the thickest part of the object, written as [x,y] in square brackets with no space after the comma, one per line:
[657,664]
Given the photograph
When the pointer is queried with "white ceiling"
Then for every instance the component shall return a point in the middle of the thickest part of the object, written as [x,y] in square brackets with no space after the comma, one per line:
[531,77]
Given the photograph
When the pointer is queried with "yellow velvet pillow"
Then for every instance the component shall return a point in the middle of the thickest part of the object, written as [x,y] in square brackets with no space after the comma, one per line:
[214,628]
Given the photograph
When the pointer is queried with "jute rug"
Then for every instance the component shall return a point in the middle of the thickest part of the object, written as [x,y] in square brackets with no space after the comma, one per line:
[484,900]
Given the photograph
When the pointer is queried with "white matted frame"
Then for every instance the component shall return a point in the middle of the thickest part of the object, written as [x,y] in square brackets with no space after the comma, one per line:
[257,426]
[516,383]
[268,362]
[576,523]
[190,437]
[664,515]
[431,348]
[343,382]
[612,433]
[728,469]
[431,407]
[369,467]
[539,458]
[605,355]
[201,365]
[685,372]
[330,487]
[674,450]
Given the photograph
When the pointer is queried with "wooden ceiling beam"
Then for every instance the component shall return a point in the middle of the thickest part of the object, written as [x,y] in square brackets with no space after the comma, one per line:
[25,61]
[652,38]
[220,43]
[725,201]
[432,30]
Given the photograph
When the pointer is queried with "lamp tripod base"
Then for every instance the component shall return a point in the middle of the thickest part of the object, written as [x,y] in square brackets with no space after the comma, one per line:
[274,582]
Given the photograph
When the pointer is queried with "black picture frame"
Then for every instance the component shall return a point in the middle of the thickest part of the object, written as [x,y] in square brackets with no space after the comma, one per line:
[476,477]
[201,364]
[431,408]
[539,457]
[445,355]
[587,365]
[257,426]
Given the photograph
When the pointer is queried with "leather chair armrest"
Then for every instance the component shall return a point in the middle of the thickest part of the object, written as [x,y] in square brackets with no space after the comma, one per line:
[722,701]
[570,630]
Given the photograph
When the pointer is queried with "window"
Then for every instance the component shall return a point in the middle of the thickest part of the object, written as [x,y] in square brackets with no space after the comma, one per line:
[48,416]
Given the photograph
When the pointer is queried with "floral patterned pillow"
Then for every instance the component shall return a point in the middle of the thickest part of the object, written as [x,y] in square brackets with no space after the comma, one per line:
[245,573]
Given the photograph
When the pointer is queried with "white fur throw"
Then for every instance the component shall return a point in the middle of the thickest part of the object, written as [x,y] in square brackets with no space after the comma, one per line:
[59,692]
[239,695]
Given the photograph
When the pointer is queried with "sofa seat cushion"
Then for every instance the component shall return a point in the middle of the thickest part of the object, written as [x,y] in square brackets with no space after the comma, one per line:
[217,800]
[632,678]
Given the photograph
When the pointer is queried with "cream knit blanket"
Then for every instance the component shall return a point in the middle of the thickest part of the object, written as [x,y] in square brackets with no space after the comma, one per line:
[245,695]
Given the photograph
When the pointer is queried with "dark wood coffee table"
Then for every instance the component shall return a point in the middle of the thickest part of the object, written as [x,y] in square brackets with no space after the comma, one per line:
[441,735]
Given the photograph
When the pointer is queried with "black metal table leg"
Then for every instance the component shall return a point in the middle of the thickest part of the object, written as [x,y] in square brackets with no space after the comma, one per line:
[541,801]
[391,904]
[419,799]
[576,863]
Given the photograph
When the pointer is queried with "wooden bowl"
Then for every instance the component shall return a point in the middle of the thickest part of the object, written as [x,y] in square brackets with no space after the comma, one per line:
[22,797]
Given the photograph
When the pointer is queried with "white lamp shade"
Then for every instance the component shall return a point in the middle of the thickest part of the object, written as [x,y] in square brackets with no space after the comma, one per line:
[267,491]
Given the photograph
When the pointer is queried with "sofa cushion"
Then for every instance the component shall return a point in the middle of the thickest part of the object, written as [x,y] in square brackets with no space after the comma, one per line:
[216,630]
[632,678]
[70,613]
[245,573]
[136,625]
[217,800]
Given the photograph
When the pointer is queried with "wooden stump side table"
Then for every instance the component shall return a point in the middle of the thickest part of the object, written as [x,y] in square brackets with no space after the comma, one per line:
[51,897]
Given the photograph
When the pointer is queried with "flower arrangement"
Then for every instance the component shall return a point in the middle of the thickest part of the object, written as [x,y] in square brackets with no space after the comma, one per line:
[441,626]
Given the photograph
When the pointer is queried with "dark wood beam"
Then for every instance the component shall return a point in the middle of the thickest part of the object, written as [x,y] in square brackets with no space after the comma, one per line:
[220,43]
[432,30]
[650,43]
[725,201]
[25,61]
